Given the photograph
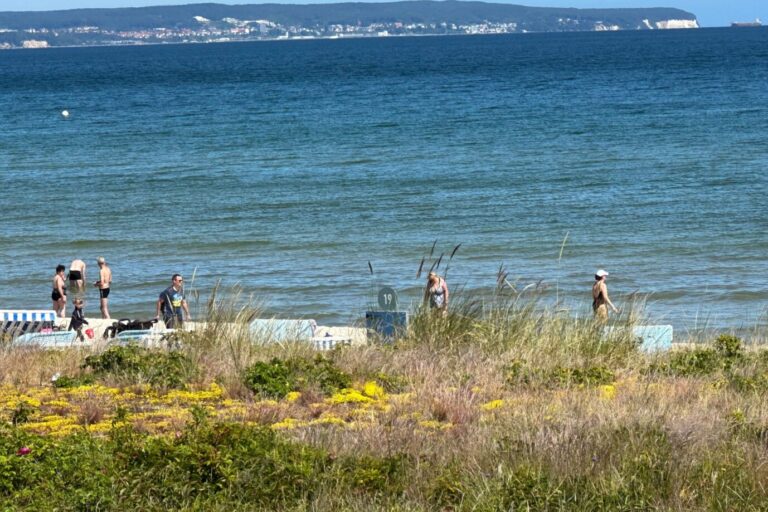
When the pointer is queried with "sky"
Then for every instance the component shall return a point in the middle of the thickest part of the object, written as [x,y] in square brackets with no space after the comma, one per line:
[711,13]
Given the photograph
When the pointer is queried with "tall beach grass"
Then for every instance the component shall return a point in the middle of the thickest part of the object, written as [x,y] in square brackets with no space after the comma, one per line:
[502,404]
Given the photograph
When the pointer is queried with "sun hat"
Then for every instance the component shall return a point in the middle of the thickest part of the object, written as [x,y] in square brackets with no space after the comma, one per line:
[101,259]
[601,273]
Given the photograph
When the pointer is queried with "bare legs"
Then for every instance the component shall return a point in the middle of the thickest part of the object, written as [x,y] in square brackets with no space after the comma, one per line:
[104,306]
[60,307]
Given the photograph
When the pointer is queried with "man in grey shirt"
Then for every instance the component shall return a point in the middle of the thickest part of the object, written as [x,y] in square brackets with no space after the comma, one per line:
[171,303]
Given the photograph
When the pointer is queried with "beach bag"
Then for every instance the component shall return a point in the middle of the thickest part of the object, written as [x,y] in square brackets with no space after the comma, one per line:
[126,324]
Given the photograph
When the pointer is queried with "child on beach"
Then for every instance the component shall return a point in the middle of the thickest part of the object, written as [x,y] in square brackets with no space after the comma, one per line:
[78,319]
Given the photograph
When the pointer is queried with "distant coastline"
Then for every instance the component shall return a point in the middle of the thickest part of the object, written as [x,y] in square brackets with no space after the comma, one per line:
[213,23]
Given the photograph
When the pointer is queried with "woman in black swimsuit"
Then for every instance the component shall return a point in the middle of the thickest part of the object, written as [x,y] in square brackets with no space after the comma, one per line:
[600,300]
[59,293]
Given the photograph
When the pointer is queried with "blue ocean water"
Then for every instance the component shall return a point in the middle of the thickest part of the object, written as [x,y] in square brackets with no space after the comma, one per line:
[285,167]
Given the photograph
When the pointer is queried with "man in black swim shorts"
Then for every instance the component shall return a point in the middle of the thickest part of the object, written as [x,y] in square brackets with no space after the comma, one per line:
[77,276]
[105,279]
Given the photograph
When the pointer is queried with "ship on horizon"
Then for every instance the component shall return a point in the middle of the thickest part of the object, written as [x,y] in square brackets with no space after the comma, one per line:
[756,23]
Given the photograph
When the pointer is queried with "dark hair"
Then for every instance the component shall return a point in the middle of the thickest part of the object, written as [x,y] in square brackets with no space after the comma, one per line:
[60,268]
[174,276]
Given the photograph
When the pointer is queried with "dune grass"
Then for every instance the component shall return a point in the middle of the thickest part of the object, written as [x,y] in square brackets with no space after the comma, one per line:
[500,405]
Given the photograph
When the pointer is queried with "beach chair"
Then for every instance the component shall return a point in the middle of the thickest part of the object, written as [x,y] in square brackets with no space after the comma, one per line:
[280,330]
[16,322]
[149,338]
[60,339]
[330,342]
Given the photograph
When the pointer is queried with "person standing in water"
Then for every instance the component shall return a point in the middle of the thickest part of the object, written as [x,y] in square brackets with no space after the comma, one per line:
[77,276]
[59,293]
[600,300]
[436,292]
[105,280]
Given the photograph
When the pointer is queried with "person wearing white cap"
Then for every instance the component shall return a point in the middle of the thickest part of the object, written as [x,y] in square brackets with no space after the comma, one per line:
[600,300]
[105,279]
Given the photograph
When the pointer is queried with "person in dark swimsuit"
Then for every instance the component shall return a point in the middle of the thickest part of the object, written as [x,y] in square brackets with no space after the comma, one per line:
[600,300]
[59,292]
[103,284]
[77,276]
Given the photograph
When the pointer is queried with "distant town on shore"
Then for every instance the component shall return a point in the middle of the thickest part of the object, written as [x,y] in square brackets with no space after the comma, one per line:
[209,23]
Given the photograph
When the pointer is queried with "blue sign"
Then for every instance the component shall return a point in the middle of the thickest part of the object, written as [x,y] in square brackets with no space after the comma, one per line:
[387,325]
[387,299]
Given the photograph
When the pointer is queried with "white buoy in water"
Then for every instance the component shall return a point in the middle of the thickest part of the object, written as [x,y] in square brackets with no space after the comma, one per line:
[65,113]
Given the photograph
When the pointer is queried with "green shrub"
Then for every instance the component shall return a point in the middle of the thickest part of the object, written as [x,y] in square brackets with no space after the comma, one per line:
[220,464]
[66,381]
[138,364]
[519,373]
[757,383]
[690,363]
[21,413]
[449,489]
[725,355]
[278,377]
[523,487]
[392,383]
[272,379]
[375,475]
[728,346]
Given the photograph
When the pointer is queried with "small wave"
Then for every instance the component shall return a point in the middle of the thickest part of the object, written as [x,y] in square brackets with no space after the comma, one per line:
[219,245]
[357,161]
[89,244]
[386,125]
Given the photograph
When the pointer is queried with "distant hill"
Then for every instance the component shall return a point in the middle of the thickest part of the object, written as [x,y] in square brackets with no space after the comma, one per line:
[217,21]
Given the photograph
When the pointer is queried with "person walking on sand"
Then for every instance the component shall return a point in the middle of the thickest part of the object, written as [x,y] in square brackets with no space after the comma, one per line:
[436,292]
[77,275]
[78,320]
[171,303]
[600,300]
[59,293]
[105,280]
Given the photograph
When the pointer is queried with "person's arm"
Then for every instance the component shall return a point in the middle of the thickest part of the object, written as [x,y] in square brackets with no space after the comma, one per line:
[185,307]
[445,289]
[607,300]
[60,288]
[159,306]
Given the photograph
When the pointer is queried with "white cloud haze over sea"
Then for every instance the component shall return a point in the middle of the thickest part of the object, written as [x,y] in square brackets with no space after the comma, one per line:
[711,13]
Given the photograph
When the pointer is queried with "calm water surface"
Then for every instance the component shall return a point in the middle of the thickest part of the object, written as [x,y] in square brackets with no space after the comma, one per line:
[287,166]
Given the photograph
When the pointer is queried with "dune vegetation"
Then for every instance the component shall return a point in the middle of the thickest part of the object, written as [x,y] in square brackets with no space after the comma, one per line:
[502,407]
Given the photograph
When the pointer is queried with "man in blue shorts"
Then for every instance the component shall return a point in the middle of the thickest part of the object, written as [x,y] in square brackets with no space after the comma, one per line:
[171,304]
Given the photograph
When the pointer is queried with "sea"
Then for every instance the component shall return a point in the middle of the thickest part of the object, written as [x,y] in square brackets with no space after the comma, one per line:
[304,176]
